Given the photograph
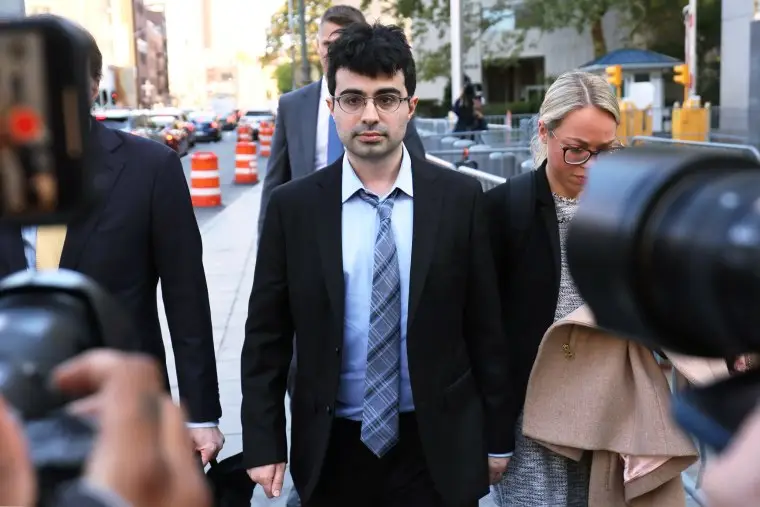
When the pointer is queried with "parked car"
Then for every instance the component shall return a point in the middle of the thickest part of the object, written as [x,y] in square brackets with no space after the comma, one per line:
[184,122]
[131,121]
[207,127]
[172,132]
[254,119]
[229,121]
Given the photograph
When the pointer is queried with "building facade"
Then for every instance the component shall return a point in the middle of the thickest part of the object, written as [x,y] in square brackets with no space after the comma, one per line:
[152,79]
[111,23]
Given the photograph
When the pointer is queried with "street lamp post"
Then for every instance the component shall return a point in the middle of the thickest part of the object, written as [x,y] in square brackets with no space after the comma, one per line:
[456,48]
[305,68]
[292,30]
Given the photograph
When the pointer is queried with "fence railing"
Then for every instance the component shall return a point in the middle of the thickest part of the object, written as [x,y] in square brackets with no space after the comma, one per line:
[697,144]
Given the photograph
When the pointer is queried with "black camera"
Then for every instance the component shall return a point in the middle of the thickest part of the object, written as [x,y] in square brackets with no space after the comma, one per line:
[665,249]
[48,317]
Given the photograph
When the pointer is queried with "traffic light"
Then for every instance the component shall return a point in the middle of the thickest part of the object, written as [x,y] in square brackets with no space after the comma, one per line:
[681,75]
[615,75]
[114,98]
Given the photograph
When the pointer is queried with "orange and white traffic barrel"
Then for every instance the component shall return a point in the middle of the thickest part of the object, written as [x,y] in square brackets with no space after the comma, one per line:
[265,140]
[246,164]
[244,134]
[205,189]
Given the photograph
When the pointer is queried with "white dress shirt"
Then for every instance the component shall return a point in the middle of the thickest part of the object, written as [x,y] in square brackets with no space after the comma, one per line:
[323,126]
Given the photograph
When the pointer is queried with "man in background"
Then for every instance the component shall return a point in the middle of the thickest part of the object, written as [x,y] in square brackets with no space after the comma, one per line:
[141,230]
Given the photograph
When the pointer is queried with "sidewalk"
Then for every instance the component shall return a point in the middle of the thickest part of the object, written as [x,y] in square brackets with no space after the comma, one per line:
[229,257]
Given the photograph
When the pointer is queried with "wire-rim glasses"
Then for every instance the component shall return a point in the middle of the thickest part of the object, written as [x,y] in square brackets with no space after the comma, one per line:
[574,155]
[353,103]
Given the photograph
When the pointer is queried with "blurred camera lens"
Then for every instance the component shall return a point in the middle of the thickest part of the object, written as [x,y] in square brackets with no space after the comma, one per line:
[665,248]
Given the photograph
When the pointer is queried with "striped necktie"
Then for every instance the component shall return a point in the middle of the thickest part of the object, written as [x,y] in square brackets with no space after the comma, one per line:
[380,415]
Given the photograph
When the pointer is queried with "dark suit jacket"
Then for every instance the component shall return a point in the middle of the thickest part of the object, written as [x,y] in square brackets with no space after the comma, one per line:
[295,139]
[457,353]
[143,229]
[528,284]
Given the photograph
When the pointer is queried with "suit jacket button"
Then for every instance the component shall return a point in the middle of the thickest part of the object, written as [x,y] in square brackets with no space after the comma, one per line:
[337,350]
[328,409]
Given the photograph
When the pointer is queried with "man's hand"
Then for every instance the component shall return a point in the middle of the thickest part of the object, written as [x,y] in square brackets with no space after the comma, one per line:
[270,477]
[496,468]
[208,441]
[143,452]
[18,484]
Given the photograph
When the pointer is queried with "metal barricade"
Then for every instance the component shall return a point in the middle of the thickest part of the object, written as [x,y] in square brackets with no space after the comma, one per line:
[497,161]
[697,144]
[487,181]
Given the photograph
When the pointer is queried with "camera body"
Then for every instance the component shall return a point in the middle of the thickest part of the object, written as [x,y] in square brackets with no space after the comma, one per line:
[45,319]
[665,249]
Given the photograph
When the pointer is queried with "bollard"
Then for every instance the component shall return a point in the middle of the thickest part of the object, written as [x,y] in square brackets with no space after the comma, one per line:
[244,134]
[265,141]
[205,191]
[246,165]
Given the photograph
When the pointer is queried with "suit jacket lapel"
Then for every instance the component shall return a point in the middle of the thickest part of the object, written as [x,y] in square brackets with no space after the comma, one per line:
[307,116]
[549,216]
[105,165]
[327,212]
[427,207]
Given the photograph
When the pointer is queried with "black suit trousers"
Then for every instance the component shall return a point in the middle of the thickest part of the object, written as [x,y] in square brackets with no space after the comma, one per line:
[353,476]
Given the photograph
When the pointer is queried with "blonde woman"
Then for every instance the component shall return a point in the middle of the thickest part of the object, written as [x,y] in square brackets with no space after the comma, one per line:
[529,216]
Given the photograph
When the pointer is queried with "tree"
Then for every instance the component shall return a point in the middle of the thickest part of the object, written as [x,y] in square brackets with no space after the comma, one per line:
[430,19]
[284,76]
[280,38]
[644,22]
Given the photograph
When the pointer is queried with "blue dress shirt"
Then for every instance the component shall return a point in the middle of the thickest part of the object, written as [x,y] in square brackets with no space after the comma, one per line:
[359,230]
[360,223]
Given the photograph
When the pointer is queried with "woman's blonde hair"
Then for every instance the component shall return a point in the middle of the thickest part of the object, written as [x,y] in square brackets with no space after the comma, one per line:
[571,91]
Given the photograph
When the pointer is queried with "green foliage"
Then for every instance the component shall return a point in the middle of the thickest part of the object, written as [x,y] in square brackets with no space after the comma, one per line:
[650,24]
[279,32]
[284,76]
[430,21]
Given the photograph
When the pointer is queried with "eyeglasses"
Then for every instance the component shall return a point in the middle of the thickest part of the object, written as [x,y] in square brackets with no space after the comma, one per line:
[353,103]
[577,156]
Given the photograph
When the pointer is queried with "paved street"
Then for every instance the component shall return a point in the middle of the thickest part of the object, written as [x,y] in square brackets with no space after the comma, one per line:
[225,151]
[230,238]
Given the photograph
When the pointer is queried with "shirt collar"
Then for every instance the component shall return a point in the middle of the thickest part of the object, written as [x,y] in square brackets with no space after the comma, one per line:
[352,184]
[324,91]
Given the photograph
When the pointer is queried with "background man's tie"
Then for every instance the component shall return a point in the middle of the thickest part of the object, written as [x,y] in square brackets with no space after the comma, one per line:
[382,381]
[50,239]
[334,144]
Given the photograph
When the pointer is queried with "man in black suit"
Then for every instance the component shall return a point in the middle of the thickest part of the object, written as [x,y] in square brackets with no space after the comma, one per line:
[381,266]
[143,229]
[305,139]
